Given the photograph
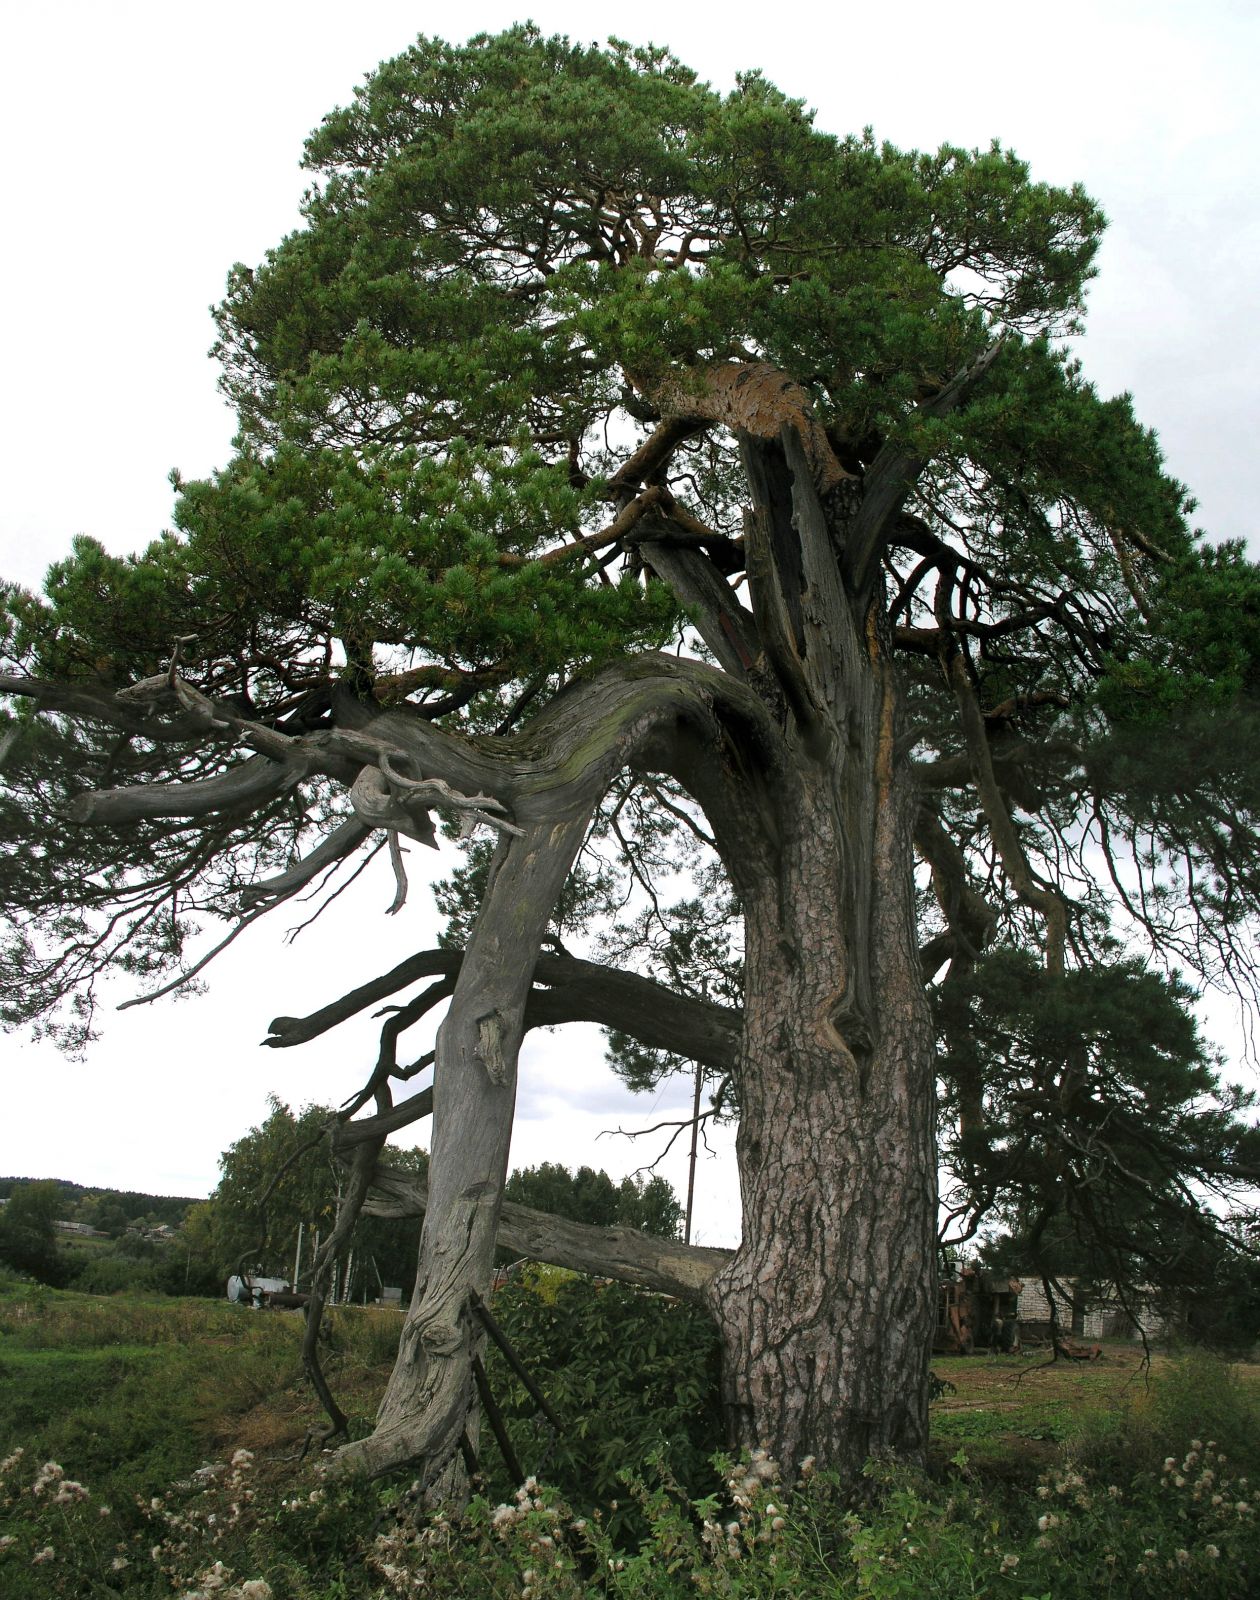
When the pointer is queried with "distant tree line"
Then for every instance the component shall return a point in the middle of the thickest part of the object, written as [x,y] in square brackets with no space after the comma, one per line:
[277,1193]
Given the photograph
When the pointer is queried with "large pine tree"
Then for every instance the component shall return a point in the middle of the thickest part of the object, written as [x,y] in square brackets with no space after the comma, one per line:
[574,361]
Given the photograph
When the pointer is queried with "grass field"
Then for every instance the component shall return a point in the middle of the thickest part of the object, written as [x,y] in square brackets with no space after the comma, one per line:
[177,1427]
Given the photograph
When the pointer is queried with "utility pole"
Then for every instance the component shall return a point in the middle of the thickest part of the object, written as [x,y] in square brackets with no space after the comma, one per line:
[695,1134]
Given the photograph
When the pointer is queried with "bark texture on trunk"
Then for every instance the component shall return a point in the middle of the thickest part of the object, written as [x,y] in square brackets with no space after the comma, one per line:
[827,1309]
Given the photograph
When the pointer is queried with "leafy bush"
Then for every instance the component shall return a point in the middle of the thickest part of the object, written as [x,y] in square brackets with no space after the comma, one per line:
[630,1374]
[108,1273]
[27,1231]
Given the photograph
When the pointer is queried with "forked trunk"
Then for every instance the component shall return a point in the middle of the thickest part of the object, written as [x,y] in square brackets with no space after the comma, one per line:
[792,751]
[827,1308]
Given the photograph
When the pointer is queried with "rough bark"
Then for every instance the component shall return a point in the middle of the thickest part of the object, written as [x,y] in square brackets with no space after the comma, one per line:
[826,1309]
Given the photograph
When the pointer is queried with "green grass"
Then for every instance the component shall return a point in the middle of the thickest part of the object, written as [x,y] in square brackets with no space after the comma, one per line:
[132,1396]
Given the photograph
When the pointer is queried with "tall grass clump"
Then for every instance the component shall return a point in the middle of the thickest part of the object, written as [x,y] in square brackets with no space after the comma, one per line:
[1197,1395]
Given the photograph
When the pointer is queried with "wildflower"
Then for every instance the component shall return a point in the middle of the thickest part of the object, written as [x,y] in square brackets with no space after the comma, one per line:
[12,1461]
[1218,1499]
[1150,1553]
[777,1524]
[1183,1558]
[6,1540]
[118,1563]
[502,1516]
[807,1467]
[1114,1491]
[1179,1481]
[1043,1491]
[46,1554]
[242,1458]
[1169,1463]
[1197,1444]
[1009,1563]
[255,1589]
[1211,1552]
[50,1472]
[68,1491]
[1046,1522]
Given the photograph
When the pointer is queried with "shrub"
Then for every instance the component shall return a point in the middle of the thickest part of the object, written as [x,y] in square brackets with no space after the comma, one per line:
[1200,1395]
[630,1375]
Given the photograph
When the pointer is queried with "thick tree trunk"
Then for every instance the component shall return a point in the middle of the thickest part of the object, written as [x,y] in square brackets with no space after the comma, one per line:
[827,1309]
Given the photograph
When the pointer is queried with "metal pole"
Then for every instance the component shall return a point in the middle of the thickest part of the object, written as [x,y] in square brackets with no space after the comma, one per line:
[297,1259]
[695,1137]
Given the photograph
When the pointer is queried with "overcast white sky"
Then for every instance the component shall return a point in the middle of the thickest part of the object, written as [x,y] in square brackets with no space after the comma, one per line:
[149,146]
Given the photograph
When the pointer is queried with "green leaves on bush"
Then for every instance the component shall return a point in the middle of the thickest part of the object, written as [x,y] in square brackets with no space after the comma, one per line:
[630,1374]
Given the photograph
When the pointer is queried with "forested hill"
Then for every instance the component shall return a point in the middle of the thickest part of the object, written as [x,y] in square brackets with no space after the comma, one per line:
[123,1204]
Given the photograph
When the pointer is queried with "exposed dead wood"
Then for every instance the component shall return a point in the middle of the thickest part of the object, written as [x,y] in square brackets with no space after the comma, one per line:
[665,1265]
[753,398]
[565,989]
